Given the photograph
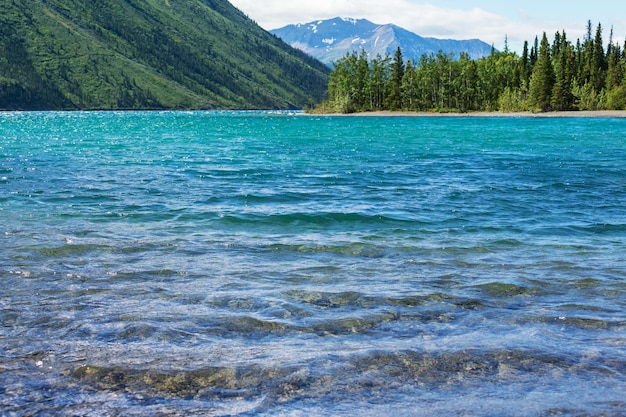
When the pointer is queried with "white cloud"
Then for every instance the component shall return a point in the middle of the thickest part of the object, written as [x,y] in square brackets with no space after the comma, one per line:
[423,19]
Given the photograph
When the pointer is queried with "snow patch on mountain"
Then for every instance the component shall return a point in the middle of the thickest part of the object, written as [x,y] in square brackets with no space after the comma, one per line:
[330,40]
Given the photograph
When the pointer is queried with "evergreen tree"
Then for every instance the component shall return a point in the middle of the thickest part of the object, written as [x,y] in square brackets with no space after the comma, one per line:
[597,69]
[362,74]
[378,81]
[409,87]
[556,45]
[394,98]
[615,69]
[427,82]
[609,47]
[444,80]
[467,82]
[585,57]
[542,78]
[534,52]
[557,76]
[525,66]
[562,97]
[616,79]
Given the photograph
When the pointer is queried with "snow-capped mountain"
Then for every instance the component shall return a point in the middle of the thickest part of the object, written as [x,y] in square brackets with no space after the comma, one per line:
[329,40]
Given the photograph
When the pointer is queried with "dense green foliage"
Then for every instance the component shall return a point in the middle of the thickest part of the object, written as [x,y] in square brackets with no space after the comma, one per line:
[143,54]
[550,77]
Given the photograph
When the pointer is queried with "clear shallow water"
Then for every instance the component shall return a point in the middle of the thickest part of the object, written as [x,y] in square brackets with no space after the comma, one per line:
[173,263]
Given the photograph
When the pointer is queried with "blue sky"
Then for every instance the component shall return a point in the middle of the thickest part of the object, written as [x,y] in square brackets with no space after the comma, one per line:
[488,20]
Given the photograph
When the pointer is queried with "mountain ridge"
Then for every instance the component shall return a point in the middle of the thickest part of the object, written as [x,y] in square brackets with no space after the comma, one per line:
[329,40]
[147,54]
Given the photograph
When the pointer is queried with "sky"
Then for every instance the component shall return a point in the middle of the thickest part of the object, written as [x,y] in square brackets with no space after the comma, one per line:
[492,21]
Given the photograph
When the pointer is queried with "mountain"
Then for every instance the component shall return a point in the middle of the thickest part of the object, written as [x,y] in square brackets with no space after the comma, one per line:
[330,40]
[147,54]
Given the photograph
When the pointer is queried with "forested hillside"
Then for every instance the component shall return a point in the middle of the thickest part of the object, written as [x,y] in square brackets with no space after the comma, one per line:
[147,54]
[548,76]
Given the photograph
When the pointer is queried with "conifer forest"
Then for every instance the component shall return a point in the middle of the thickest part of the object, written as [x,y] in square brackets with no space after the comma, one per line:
[556,75]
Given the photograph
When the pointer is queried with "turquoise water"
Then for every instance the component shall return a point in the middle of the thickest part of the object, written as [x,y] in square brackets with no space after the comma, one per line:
[205,263]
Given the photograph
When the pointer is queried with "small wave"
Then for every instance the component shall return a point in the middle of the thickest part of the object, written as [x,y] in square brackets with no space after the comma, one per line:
[312,221]
[588,323]
[581,230]
[73,249]
[352,248]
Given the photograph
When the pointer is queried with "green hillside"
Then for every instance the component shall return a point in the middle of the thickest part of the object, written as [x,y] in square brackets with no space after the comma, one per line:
[147,54]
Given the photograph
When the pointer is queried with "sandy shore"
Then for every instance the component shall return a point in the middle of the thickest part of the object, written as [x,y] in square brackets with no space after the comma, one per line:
[584,113]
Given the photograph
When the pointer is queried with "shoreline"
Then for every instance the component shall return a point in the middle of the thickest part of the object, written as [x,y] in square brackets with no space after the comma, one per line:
[557,114]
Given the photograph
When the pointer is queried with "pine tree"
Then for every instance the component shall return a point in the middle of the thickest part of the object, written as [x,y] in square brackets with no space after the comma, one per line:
[597,73]
[378,81]
[585,52]
[427,82]
[615,79]
[534,52]
[468,80]
[445,77]
[562,97]
[362,73]
[556,45]
[394,98]
[409,87]
[615,71]
[542,78]
[525,66]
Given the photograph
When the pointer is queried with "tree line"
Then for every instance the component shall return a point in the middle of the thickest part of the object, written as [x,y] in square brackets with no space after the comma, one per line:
[547,76]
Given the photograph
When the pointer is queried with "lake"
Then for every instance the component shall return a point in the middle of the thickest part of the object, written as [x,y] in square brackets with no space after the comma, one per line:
[267,263]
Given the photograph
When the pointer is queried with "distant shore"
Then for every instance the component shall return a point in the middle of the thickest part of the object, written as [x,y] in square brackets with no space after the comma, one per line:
[581,113]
